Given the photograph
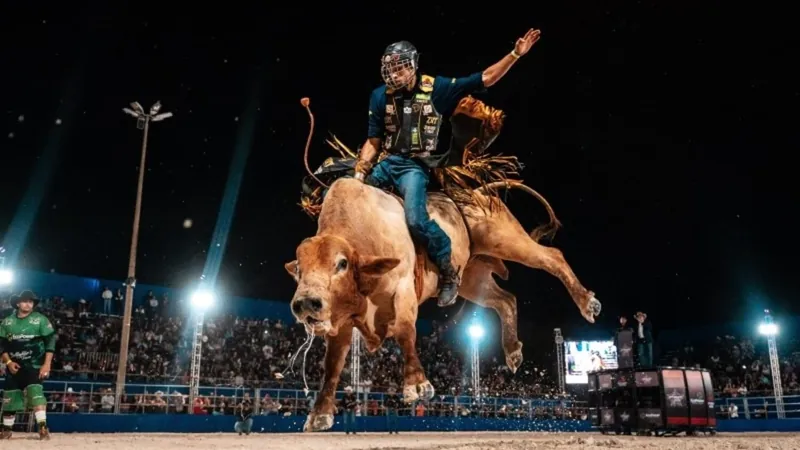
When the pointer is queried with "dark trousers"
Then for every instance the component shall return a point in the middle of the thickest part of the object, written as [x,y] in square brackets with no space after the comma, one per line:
[644,350]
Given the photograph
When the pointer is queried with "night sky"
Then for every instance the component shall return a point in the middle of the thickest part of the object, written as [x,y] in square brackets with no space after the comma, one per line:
[664,136]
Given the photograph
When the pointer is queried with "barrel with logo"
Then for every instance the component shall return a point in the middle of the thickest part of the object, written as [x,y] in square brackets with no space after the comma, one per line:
[650,415]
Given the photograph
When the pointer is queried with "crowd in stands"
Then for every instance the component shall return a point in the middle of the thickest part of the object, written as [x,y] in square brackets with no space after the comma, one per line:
[242,353]
[247,352]
[738,367]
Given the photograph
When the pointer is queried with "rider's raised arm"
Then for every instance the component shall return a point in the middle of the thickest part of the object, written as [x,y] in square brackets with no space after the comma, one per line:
[496,71]
[447,92]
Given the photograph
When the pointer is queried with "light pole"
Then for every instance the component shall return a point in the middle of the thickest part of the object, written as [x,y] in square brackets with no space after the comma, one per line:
[769,329]
[6,276]
[200,301]
[143,123]
[476,333]
[560,362]
[355,361]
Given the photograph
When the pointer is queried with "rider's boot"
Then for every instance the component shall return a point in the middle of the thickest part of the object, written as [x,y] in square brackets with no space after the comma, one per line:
[448,284]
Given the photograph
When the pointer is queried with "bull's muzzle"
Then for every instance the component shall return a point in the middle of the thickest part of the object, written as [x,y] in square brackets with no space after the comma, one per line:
[306,306]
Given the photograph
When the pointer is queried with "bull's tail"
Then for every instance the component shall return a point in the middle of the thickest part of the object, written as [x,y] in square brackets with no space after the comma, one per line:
[544,231]
[305,101]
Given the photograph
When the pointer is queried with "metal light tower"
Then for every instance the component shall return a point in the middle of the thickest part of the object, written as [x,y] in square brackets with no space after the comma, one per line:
[559,341]
[143,123]
[769,329]
[355,361]
[476,333]
[6,276]
[200,301]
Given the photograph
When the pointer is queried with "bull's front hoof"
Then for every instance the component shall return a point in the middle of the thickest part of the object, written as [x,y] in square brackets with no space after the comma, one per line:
[514,358]
[426,390]
[410,394]
[592,309]
[318,422]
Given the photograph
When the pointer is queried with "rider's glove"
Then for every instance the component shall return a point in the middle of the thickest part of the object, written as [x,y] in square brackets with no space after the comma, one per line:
[362,168]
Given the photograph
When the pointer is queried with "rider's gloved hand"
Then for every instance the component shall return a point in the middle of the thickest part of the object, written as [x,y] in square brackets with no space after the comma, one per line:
[362,168]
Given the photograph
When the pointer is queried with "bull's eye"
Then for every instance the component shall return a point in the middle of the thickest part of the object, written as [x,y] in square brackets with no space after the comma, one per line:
[341,265]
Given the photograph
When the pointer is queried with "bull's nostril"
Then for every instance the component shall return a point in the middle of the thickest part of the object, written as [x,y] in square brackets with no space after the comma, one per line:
[316,304]
[297,307]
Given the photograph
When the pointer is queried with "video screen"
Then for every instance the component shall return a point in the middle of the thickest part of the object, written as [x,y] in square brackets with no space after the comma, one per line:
[583,357]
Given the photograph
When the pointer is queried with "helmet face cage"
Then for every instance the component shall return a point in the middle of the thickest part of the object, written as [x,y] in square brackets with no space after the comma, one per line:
[398,69]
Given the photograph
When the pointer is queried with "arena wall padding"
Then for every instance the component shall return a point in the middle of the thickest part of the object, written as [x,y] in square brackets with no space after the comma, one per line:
[161,423]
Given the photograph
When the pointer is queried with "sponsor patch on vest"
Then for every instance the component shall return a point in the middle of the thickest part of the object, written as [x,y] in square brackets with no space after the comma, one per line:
[389,109]
[427,109]
[427,82]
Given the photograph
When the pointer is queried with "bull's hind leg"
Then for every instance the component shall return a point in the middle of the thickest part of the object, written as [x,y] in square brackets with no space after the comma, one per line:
[479,287]
[499,234]
[415,384]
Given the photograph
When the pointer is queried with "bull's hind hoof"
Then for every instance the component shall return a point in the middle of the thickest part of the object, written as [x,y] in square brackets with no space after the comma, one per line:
[514,358]
[426,390]
[319,422]
[592,309]
[410,394]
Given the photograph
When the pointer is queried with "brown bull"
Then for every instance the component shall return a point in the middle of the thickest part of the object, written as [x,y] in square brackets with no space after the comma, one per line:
[359,271]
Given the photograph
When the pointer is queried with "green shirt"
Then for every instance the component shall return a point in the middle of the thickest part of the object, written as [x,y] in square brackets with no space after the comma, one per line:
[27,340]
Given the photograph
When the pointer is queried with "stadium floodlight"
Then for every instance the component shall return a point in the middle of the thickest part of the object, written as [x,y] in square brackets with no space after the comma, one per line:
[162,116]
[6,277]
[131,112]
[202,300]
[154,109]
[137,107]
[768,329]
[475,331]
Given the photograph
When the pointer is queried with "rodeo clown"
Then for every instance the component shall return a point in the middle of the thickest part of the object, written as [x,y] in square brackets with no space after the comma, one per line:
[28,341]
[404,119]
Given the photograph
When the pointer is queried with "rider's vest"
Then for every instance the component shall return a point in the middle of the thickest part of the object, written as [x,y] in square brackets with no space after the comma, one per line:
[417,130]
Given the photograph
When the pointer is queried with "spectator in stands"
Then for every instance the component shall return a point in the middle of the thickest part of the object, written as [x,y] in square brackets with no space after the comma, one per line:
[392,404]
[245,410]
[644,340]
[349,403]
[107,297]
[107,402]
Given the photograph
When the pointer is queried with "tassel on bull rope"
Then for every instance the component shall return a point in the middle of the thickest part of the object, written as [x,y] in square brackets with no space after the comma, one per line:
[290,369]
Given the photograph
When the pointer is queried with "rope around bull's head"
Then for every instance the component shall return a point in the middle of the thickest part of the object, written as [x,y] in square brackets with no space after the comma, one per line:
[305,101]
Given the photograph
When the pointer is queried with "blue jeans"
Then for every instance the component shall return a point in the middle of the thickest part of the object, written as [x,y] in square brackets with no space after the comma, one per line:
[243,426]
[349,421]
[410,179]
[645,353]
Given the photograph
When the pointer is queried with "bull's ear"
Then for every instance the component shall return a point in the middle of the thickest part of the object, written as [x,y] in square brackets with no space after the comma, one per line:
[370,269]
[371,266]
[291,267]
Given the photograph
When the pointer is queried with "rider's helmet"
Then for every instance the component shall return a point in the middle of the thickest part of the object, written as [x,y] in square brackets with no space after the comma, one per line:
[399,64]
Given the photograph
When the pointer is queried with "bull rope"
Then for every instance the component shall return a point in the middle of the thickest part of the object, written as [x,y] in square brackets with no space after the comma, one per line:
[306,102]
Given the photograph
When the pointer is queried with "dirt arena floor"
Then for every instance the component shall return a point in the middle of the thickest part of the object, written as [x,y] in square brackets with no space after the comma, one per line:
[467,441]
